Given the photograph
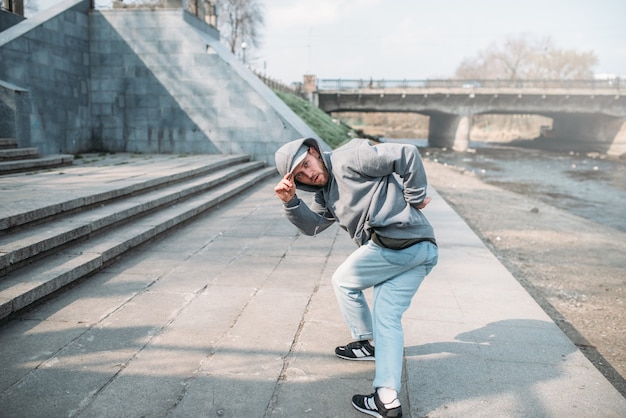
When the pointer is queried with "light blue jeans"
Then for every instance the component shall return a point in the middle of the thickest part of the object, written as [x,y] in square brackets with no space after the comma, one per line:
[395,275]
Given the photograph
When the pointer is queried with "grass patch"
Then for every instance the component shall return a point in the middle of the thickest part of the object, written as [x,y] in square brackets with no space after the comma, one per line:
[334,132]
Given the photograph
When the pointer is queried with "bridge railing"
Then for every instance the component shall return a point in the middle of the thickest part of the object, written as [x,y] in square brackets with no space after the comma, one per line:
[615,84]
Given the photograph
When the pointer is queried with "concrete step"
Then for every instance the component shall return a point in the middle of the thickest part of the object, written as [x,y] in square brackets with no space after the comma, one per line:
[41,238]
[8,143]
[15,160]
[41,163]
[132,184]
[42,259]
[18,154]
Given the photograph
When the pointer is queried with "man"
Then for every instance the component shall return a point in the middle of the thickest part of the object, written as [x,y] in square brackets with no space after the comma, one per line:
[375,192]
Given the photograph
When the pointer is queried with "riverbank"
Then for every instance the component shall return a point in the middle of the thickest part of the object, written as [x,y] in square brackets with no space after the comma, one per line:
[573,265]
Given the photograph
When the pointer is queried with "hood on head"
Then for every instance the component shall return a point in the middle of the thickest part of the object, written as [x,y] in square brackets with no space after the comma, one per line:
[288,153]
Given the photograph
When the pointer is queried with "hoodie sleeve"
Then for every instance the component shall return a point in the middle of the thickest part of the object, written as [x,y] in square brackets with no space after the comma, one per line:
[402,159]
[308,221]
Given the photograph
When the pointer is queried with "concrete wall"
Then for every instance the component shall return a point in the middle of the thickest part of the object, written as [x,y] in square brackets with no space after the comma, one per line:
[150,81]
[14,113]
[48,55]
[162,82]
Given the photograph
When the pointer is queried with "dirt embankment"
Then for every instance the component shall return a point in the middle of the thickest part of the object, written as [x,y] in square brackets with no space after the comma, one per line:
[575,268]
[488,128]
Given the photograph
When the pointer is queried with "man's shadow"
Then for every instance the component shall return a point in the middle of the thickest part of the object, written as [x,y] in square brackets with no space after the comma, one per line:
[504,362]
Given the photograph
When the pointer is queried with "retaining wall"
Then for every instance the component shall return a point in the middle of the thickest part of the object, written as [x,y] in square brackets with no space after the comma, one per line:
[48,55]
[149,81]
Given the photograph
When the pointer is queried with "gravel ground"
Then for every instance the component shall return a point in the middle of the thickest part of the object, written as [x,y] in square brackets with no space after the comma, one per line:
[565,243]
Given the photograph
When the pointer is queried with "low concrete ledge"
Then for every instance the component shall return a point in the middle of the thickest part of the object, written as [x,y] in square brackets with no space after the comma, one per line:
[8,143]
[36,163]
[18,154]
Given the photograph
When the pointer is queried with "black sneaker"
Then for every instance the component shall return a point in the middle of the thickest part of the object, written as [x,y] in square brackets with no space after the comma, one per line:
[356,350]
[372,405]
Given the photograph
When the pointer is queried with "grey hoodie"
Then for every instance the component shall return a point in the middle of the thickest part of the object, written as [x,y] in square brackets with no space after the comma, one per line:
[370,187]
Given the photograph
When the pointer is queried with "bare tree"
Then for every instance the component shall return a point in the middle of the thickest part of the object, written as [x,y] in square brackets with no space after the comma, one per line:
[520,58]
[564,64]
[239,22]
[513,58]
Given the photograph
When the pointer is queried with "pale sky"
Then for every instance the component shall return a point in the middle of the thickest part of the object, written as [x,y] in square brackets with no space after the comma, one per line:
[419,39]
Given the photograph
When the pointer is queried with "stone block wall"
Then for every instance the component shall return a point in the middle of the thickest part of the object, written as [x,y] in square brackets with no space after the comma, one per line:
[149,81]
[48,55]
[162,82]
[15,113]
[134,107]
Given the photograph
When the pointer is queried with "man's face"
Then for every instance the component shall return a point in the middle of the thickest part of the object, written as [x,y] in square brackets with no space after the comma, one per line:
[311,171]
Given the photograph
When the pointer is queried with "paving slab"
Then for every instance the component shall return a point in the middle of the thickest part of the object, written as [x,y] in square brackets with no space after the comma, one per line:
[234,315]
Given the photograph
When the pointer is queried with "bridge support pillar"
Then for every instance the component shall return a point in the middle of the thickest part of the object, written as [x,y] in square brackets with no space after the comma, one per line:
[588,132]
[449,131]
[618,147]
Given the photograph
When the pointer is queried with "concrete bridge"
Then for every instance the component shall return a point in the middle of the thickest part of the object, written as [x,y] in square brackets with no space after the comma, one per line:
[587,115]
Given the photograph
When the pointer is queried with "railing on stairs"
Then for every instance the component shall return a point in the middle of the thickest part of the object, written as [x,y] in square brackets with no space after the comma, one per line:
[277,85]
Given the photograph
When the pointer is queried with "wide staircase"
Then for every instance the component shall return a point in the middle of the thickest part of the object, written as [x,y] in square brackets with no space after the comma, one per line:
[60,226]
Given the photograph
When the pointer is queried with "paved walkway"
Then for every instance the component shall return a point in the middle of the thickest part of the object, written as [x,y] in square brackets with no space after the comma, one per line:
[233,315]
